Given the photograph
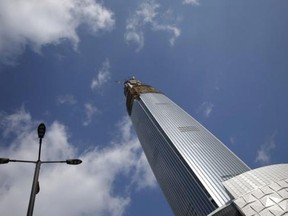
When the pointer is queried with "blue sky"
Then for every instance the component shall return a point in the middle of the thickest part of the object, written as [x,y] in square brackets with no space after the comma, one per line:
[224,62]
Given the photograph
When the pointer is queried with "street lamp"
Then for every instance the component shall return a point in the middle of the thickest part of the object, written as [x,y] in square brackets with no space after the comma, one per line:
[4,160]
[35,185]
[41,130]
[73,161]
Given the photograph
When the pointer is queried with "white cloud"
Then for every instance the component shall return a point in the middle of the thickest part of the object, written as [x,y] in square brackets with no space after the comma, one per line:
[191,2]
[136,37]
[38,23]
[15,123]
[232,140]
[174,31]
[66,99]
[263,155]
[206,108]
[90,111]
[103,75]
[147,15]
[86,189]
[143,176]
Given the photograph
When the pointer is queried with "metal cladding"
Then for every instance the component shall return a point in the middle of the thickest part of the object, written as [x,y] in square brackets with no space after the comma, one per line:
[263,191]
[187,160]
[189,163]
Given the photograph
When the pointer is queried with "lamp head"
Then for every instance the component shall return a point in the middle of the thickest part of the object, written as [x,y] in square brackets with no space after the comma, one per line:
[41,130]
[74,161]
[4,160]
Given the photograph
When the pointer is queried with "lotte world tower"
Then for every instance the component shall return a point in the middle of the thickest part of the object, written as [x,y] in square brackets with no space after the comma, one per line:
[197,173]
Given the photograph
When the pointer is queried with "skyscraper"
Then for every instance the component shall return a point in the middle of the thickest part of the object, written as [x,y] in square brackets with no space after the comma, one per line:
[197,173]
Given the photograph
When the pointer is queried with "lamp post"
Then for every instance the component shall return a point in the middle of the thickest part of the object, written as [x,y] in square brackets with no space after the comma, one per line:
[35,185]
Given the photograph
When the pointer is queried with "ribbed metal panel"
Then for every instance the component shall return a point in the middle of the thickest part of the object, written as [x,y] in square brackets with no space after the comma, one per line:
[187,160]
[181,189]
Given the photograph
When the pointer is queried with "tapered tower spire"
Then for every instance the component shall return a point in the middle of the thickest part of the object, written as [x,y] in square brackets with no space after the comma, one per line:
[197,173]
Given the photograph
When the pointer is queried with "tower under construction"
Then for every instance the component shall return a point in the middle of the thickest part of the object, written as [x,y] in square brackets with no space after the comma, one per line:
[197,173]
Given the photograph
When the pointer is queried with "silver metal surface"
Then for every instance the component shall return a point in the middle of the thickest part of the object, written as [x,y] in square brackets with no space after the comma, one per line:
[263,191]
[207,156]
[197,173]
[187,160]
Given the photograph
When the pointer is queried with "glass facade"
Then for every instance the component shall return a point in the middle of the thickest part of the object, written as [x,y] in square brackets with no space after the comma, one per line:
[185,194]
[188,162]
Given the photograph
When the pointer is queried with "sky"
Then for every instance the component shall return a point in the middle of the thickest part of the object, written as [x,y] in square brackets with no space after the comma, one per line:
[63,62]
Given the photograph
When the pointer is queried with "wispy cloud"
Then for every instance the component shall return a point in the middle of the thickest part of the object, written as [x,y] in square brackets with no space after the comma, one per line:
[50,22]
[143,176]
[147,15]
[66,99]
[191,2]
[90,112]
[9,123]
[102,76]
[263,155]
[172,30]
[232,140]
[87,189]
[206,108]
